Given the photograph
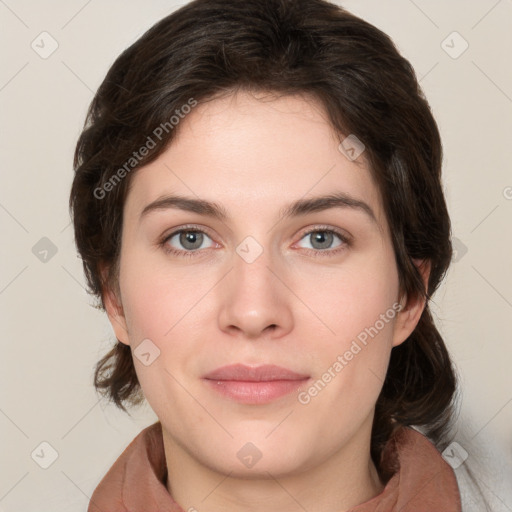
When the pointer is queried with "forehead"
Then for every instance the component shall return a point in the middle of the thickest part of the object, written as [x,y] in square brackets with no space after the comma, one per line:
[254,154]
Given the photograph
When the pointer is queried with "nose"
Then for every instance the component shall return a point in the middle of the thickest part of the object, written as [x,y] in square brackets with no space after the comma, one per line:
[255,301]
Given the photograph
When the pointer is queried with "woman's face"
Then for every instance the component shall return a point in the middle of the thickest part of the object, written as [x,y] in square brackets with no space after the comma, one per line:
[314,292]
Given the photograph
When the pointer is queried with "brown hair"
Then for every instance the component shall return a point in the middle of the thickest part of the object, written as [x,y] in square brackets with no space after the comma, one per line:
[209,48]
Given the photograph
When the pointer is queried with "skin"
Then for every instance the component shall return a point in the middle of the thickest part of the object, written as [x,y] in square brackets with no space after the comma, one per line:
[255,154]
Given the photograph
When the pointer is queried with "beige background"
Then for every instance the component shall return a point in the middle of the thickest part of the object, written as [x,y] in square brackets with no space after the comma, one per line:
[50,335]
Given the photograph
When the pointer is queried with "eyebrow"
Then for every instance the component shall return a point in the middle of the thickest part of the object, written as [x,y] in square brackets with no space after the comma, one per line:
[295,209]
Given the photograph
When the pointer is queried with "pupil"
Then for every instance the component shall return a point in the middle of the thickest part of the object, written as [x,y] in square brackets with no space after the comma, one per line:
[190,237]
[322,237]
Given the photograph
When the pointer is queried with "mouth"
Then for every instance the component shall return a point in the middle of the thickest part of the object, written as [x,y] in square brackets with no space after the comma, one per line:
[254,385]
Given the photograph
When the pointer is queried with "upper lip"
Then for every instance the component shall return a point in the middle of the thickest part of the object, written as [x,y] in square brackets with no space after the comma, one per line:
[240,372]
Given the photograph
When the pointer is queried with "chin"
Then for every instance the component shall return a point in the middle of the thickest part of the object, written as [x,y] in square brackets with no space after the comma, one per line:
[263,468]
[257,458]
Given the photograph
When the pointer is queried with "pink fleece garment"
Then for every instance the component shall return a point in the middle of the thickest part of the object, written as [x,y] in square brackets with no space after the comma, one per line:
[423,482]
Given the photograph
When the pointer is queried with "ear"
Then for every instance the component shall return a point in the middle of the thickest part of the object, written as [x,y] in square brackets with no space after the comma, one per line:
[115,311]
[413,307]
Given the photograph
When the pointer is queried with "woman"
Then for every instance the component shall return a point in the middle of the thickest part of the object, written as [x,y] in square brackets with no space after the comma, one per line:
[259,209]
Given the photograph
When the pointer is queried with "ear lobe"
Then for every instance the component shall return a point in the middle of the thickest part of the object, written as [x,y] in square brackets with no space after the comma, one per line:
[412,309]
[115,313]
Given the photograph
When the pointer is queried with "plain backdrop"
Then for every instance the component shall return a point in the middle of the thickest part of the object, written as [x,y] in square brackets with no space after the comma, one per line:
[51,335]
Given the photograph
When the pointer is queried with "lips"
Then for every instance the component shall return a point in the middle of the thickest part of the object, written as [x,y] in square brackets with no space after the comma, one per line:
[254,385]
[240,372]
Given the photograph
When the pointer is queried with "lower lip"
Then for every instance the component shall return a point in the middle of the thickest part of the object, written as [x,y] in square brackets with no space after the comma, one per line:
[255,392]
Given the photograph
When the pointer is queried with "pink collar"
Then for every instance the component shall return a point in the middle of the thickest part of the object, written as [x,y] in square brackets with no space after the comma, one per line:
[423,482]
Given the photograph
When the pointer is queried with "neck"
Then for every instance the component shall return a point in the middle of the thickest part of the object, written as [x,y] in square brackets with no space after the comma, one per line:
[347,478]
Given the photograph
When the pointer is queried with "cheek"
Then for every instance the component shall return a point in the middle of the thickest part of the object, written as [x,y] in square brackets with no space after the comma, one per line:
[155,301]
[349,374]
[171,310]
[352,298]
[359,309]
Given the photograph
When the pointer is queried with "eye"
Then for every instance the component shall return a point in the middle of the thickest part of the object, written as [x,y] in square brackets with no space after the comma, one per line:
[188,240]
[322,239]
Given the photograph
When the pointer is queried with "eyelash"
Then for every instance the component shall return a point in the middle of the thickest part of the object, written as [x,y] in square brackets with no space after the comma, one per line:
[346,242]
